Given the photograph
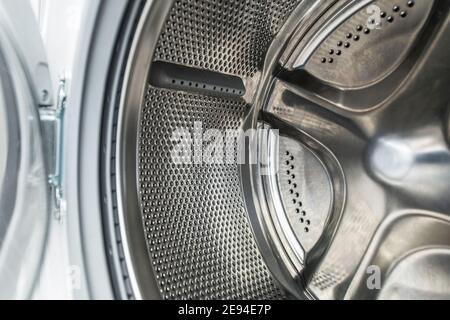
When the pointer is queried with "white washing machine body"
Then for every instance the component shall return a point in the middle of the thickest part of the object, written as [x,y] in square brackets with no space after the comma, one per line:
[51,238]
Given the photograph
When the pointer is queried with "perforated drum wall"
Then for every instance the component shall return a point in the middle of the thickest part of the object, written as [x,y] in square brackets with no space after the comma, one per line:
[199,239]
[230,36]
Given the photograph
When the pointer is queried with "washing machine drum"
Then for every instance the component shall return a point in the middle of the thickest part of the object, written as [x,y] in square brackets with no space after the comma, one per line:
[289,148]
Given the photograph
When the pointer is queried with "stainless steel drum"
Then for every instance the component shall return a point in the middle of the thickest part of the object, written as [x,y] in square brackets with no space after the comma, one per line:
[349,106]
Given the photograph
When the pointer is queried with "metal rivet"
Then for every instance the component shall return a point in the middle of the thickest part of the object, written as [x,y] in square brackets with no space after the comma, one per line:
[403,14]
[349,35]
[359,28]
[390,19]
[396,8]
[347,45]
[411,4]
[356,38]
[339,44]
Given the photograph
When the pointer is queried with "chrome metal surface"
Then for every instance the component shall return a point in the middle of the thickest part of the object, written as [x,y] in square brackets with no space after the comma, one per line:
[360,171]
[200,243]
[131,237]
[372,52]
[411,250]
[274,192]
[387,133]
[306,190]
[422,275]
[339,17]
[199,238]
[225,37]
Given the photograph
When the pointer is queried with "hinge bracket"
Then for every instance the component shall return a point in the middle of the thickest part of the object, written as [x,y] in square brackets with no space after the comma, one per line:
[52,120]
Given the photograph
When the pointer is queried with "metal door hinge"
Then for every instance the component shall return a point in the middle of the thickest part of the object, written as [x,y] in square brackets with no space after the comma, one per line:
[52,120]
